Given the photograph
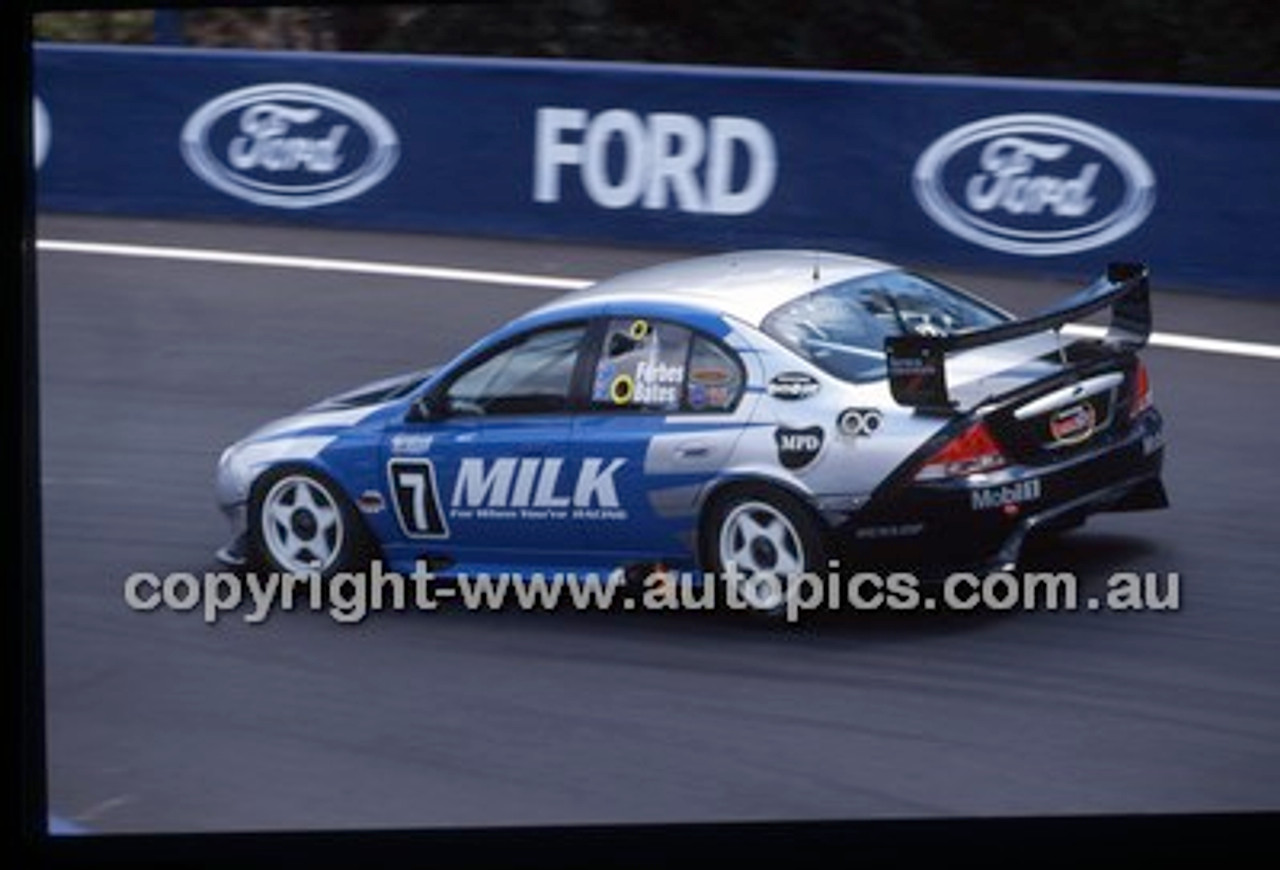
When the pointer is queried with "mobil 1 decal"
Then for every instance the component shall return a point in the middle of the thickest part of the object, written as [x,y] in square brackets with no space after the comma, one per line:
[798,447]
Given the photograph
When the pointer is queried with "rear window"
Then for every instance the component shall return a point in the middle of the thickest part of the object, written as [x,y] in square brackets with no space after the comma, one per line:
[841,328]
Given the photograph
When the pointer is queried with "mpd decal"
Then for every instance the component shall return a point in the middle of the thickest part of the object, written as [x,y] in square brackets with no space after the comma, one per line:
[859,422]
[289,145]
[417,498]
[798,447]
[1000,496]
[793,385]
[1072,425]
[725,165]
[1035,185]
[534,487]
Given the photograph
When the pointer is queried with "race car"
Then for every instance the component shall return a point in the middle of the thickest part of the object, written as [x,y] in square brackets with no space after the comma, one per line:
[768,412]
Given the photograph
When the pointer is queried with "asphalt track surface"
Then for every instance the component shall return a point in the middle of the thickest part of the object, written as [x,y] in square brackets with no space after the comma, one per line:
[158,722]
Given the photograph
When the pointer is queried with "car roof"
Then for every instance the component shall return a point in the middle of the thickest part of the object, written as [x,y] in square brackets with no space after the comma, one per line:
[744,284]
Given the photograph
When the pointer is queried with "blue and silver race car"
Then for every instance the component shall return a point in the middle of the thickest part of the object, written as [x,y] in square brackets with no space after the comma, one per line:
[768,411]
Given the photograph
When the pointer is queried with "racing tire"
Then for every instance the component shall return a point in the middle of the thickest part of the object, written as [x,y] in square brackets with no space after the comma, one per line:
[301,523]
[755,539]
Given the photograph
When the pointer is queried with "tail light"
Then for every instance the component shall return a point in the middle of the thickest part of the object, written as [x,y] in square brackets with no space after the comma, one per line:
[1141,391]
[973,451]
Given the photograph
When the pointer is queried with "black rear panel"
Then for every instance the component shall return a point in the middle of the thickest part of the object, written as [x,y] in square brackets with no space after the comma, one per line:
[1060,419]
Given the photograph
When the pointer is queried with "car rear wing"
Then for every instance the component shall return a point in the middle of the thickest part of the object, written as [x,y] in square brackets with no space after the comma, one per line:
[917,364]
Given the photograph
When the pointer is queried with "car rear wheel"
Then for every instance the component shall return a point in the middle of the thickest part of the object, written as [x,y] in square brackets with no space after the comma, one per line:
[301,523]
[756,540]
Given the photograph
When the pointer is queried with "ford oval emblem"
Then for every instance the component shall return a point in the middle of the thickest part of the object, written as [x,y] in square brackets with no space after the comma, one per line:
[289,145]
[1036,185]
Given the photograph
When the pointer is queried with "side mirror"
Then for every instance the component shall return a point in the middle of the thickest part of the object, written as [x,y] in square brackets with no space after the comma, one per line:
[422,410]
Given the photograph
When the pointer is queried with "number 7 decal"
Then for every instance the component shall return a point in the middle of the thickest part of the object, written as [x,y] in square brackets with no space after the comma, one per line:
[417,498]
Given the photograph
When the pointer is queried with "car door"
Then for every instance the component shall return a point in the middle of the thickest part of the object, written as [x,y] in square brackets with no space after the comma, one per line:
[660,420]
[481,483]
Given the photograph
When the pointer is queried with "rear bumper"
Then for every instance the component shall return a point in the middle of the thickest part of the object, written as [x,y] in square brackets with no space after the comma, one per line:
[982,523]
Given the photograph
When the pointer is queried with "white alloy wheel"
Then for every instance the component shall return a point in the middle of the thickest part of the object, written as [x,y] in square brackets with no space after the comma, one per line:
[301,524]
[764,549]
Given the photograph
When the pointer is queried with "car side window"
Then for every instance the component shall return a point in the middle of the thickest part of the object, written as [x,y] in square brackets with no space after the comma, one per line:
[532,376]
[715,377]
[657,366]
[641,366]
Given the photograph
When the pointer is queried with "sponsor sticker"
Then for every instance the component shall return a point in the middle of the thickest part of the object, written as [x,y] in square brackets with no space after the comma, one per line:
[902,530]
[289,145]
[1021,492]
[1034,184]
[371,502]
[411,443]
[536,488]
[1073,425]
[798,447]
[859,422]
[709,377]
[793,385]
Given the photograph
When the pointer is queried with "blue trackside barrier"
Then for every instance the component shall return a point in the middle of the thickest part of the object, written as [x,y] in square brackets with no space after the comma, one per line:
[1043,178]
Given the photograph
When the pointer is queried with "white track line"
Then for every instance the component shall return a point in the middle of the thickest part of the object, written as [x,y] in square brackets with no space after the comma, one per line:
[322,264]
[1173,340]
[1180,341]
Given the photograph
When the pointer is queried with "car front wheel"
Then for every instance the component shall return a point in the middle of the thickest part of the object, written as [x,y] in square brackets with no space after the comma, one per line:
[301,523]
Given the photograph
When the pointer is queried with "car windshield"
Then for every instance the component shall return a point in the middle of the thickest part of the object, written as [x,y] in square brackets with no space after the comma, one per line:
[841,328]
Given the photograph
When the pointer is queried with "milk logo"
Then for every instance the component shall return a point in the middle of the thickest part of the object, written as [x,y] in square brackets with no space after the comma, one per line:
[535,482]
[289,145]
[41,131]
[1035,185]
[725,165]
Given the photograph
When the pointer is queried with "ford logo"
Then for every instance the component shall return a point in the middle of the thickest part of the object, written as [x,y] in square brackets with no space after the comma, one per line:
[1036,185]
[289,145]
